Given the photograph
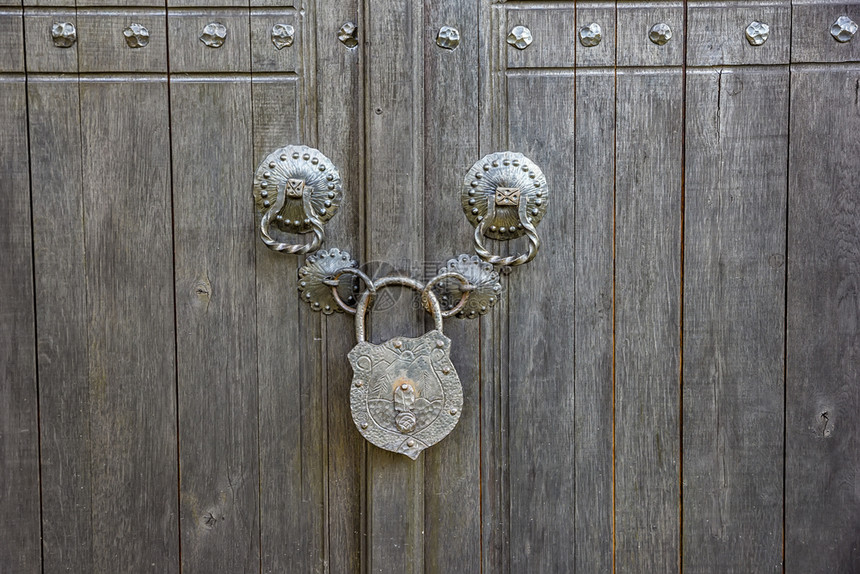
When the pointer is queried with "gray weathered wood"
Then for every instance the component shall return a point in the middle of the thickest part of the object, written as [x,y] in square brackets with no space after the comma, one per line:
[291,439]
[42,55]
[394,172]
[20,545]
[102,47]
[61,307]
[452,472]
[541,373]
[734,305]
[822,450]
[593,288]
[340,135]
[214,233]
[132,371]
[647,319]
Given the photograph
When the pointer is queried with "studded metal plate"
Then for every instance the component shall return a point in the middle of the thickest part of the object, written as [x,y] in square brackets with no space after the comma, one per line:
[405,394]
[297,170]
[319,267]
[504,177]
[481,275]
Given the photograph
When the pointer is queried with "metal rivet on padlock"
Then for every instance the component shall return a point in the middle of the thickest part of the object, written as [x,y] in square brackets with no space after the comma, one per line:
[410,397]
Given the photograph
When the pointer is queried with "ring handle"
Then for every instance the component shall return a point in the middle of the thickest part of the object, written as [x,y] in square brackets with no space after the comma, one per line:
[466,289]
[364,302]
[528,228]
[297,190]
[296,249]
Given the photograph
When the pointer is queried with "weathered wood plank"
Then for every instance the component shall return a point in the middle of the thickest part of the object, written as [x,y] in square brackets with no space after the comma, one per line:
[214,234]
[292,457]
[132,374]
[647,322]
[20,549]
[593,289]
[823,332]
[734,305]
[394,171]
[452,471]
[541,347]
[61,310]
[495,483]
[340,135]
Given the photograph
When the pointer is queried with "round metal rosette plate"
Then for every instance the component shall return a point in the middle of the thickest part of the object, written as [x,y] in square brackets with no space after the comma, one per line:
[480,274]
[320,267]
[503,178]
[292,172]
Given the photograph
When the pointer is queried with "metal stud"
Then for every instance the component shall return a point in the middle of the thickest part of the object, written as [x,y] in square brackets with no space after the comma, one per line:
[136,36]
[843,29]
[590,36]
[757,33]
[660,33]
[282,35]
[520,37]
[448,37]
[214,34]
[348,35]
[64,34]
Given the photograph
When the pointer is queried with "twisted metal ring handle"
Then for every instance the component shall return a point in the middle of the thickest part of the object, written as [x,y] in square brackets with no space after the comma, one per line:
[512,260]
[275,245]
[364,302]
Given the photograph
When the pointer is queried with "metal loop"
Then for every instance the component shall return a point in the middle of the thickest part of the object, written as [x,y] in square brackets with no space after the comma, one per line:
[513,260]
[366,296]
[333,283]
[296,249]
[465,289]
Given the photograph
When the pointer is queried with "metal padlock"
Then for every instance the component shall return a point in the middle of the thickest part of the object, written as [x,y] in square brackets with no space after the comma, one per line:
[405,394]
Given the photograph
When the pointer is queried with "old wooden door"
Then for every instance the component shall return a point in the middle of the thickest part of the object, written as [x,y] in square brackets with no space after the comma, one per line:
[672,385]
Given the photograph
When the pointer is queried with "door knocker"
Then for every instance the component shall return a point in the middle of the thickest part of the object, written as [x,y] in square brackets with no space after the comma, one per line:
[405,394]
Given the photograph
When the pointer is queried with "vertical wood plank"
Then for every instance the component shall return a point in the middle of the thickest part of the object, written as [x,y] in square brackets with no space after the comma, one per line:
[340,135]
[394,173]
[823,337]
[288,361]
[542,367]
[126,184]
[452,472]
[215,313]
[61,306]
[593,289]
[20,544]
[734,304]
[495,483]
[647,323]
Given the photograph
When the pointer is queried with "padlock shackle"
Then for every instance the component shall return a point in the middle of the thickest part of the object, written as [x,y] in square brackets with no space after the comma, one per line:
[367,296]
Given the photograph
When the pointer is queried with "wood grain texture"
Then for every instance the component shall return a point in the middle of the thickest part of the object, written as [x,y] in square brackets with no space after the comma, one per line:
[452,471]
[394,172]
[734,330]
[132,370]
[823,342]
[61,312]
[102,47]
[647,322]
[214,233]
[20,545]
[292,456]
[593,318]
[634,48]
[12,40]
[541,347]
[340,135]
[189,54]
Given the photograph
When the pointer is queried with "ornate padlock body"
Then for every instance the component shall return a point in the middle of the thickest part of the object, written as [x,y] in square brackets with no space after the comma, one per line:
[406,395]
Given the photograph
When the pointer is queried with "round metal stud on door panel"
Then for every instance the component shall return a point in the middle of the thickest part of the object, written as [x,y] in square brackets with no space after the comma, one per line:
[297,189]
[505,196]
